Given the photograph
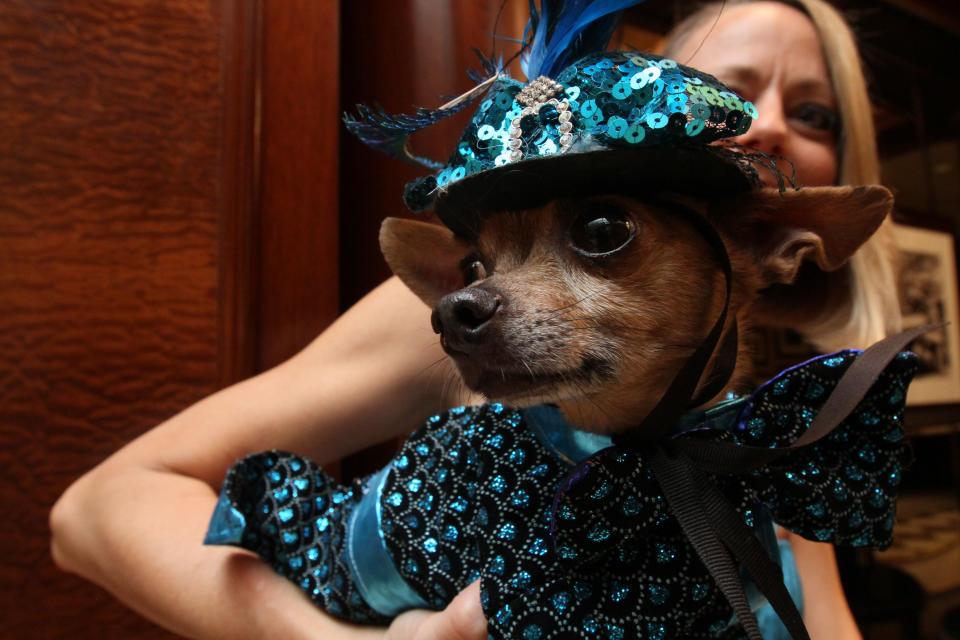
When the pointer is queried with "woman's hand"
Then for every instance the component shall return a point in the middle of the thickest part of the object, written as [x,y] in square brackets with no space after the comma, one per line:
[461,620]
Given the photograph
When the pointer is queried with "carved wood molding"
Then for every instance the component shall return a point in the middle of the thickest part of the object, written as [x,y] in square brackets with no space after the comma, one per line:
[239,209]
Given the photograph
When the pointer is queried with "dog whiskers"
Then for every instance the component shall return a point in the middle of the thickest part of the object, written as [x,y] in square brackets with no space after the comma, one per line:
[572,304]
[432,365]
[597,316]
[523,361]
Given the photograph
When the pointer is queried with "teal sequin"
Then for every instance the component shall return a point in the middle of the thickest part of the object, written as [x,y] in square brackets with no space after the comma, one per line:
[656,630]
[520,499]
[665,552]
[699,592]
[520,581]
[533,632]
[507,531]
[560,601]
[618,591]
[755,426]
[658,594]
[538,547]
[631,506]
[599,533]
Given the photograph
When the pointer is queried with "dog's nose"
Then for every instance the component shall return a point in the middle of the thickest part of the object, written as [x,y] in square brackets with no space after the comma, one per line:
[463,317]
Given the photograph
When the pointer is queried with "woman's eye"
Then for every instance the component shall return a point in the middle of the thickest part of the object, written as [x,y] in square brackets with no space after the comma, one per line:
[472,269]
[816,116]
[600,231]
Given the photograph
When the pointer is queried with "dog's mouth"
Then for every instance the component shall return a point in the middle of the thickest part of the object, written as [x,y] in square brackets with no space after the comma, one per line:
[523,386]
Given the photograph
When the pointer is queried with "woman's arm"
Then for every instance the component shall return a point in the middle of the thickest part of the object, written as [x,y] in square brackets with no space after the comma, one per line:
[826,612]
[134,524]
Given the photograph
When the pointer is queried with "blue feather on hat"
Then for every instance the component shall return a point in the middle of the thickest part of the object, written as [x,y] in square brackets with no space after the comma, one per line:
[566,30]
[559,33]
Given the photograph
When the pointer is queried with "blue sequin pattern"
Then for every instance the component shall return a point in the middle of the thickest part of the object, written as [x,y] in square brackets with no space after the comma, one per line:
[605,100]
[607,559]
[295,519]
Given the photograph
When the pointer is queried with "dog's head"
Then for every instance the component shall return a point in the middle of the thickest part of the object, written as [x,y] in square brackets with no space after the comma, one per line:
[594,303]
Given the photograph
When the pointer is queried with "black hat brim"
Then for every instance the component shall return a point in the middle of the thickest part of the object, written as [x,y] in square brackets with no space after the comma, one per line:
[526,184]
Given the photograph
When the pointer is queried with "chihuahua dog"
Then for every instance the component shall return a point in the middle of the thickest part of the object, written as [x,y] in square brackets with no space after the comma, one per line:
[573,319]
[593,304]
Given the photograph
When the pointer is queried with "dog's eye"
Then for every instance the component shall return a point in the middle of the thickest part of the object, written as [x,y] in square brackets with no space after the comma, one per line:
[601,230]
[472,269]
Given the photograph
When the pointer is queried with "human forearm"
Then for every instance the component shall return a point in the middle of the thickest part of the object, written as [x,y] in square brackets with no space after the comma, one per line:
[134,524]
[140,538]
[826,612]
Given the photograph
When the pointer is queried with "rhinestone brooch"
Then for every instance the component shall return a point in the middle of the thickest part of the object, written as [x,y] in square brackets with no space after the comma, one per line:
[534,96]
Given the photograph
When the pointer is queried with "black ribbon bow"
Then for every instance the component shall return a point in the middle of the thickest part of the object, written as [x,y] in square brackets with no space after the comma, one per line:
[687,469]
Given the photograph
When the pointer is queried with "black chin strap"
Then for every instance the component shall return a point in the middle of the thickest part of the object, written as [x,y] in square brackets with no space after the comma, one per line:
[678,398]
[723,367]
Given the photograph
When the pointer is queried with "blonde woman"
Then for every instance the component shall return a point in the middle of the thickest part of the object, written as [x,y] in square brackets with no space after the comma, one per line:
[133,524]
[862,306]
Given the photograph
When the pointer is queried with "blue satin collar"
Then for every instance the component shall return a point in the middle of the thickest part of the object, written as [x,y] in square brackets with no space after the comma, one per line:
[559,436]
[573,446]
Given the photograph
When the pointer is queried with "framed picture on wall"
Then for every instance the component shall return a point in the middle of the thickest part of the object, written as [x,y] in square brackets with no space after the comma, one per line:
[929,295]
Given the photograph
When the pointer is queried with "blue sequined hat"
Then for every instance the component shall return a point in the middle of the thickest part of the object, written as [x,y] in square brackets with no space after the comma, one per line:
[618,120]
[614,121]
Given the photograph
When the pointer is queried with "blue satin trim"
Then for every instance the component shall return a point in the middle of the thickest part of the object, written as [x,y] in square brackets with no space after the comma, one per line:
[569,443]
[226,524]
[370,564]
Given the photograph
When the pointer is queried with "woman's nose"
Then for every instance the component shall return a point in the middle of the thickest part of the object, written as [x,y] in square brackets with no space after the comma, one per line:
[768,132]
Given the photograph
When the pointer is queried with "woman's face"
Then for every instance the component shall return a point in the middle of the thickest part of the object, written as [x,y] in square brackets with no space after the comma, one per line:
[770,54]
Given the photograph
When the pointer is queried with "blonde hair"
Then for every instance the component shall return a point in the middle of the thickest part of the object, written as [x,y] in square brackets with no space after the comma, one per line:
[873,310]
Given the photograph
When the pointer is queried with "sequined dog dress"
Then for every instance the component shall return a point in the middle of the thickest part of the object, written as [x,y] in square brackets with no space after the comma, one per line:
[486,492]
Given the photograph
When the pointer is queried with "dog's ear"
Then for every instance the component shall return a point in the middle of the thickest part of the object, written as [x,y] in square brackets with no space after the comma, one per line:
[425,256]
[825,225]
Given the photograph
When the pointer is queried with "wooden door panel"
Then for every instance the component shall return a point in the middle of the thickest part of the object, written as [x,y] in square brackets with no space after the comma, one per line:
[109,192]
